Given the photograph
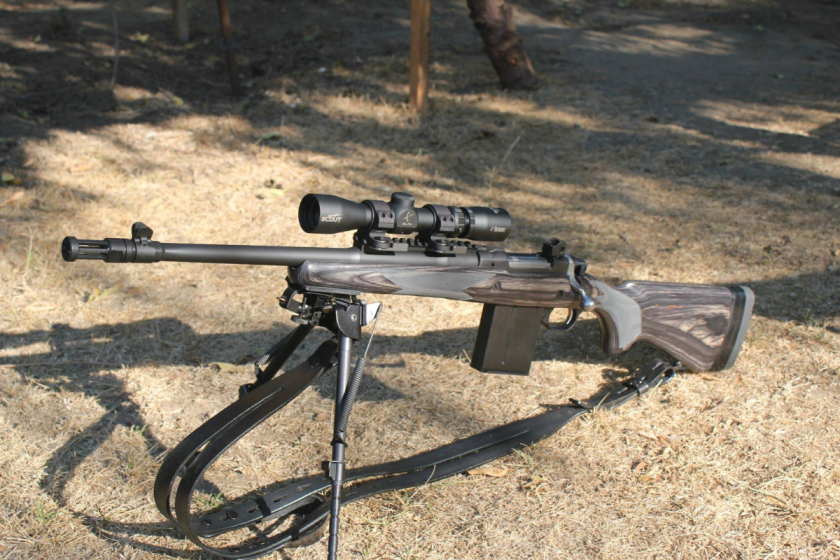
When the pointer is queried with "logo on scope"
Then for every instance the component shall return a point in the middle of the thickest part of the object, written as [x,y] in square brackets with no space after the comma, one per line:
[407,219]
[497,229]
[335,218]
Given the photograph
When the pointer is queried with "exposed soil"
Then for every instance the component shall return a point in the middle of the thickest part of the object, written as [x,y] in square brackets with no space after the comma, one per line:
[687,141]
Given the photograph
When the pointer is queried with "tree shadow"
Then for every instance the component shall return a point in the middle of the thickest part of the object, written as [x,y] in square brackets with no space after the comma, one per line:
[75,364]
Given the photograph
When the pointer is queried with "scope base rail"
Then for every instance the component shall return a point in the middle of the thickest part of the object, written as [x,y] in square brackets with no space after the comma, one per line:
[377,241]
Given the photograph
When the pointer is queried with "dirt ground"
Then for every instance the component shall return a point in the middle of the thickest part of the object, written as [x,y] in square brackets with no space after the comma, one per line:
[678,140]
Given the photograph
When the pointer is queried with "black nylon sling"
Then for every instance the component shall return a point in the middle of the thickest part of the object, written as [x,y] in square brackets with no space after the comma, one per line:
[304,498]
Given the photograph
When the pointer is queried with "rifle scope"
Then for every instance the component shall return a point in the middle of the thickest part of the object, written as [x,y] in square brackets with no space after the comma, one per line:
[325,213]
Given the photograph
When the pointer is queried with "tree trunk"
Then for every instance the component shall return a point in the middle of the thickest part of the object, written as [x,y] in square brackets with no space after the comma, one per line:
[494,21]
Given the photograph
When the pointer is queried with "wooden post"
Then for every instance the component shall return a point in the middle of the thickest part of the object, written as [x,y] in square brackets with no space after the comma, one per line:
[418,84]
[180,20]
[230,51]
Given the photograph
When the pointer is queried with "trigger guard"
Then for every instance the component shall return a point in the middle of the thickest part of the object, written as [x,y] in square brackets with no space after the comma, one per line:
[564,326]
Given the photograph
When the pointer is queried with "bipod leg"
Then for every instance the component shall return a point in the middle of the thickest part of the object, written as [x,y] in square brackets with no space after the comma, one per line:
[275,358]
[336,468]
[346,389]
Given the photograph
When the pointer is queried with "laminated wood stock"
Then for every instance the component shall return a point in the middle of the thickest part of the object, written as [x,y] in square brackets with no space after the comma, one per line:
[703,326]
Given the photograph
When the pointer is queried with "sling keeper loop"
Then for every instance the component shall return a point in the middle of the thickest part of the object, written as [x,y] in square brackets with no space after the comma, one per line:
[303,500]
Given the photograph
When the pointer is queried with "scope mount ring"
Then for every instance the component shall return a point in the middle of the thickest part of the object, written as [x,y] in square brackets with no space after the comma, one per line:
[378,241]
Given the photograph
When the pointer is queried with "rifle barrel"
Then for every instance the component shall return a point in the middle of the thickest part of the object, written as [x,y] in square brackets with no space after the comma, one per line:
[254,254]
[128,250]
[295,256]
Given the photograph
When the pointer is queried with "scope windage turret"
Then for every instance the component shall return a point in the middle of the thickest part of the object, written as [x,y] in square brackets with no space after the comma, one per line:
[325,213]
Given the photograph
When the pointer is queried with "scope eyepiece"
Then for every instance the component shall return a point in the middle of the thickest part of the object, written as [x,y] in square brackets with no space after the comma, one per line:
[324,213]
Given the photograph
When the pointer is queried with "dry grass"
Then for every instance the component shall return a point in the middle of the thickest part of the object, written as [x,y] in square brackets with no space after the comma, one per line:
[111,362]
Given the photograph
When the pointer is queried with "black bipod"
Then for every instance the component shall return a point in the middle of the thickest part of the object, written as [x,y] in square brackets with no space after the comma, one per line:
[354,316]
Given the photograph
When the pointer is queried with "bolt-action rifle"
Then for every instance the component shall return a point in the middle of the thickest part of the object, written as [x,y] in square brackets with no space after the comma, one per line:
[433,251]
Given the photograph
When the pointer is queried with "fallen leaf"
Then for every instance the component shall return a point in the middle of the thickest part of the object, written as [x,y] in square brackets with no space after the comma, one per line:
[321,415]
[8,177]
[536,480]
[139,37]
[99,294]
[495,472]
[224,367]
[639,466]
[177,100]
[85,167]
[275,192]
[14,197]
[647,435]
[646,478]
[112,290]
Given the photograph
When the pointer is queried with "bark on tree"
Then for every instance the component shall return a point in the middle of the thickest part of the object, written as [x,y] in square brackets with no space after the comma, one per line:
[494,21]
